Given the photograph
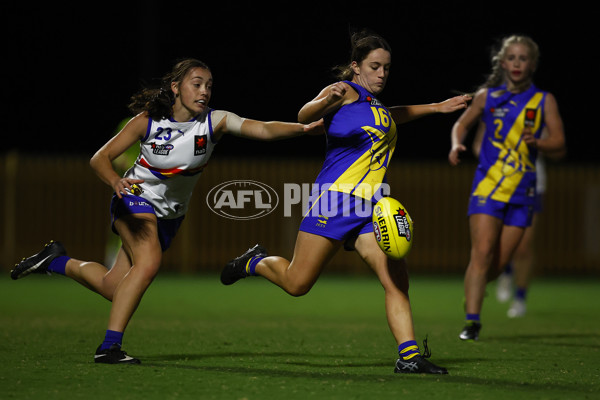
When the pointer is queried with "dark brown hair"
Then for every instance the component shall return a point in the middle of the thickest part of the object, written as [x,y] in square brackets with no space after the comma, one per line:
[158,102]
[363,43]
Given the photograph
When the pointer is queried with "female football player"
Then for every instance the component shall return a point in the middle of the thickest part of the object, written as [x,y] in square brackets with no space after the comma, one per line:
[177,132]
[361,137]
[516,276]
[513,112]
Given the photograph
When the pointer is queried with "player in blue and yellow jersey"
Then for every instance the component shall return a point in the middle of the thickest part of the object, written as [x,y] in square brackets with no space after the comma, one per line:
[361,138]
[176,133]
[512,112]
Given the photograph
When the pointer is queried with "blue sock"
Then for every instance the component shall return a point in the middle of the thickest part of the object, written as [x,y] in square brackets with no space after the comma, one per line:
[508,268]
[473,318]
[408,350]
[112,337]
[59,264]
[250,268]
[521,293]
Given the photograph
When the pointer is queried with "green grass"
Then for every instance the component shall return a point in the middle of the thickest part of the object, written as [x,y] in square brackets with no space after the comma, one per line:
[200,340]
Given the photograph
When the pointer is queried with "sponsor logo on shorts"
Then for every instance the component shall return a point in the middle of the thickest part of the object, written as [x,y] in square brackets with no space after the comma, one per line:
[322,221]
[138,203]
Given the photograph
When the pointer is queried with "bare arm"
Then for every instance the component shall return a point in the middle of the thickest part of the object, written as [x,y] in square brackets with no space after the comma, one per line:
[260,130]
[331,98]
[403,114]
[101,162]
[478,139]
[274,130]
[461,127]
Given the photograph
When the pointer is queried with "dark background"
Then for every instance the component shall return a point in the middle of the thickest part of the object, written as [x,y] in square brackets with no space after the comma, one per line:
[70,70]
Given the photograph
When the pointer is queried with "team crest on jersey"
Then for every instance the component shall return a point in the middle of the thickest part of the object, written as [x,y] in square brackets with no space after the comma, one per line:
[200,145]
[402,224]
[161,149]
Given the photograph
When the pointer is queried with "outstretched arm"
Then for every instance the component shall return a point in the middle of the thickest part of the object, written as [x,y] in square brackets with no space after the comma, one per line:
[274,130]
[403,114]
[227,122]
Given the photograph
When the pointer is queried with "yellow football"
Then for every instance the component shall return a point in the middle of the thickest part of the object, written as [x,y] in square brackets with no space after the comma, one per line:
[393,228]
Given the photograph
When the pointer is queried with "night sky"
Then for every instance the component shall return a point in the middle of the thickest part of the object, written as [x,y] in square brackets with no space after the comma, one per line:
[72,71]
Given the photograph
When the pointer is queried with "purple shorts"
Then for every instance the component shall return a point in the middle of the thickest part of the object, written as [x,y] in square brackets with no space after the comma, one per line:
[130,204]
[338,216]
[510,214]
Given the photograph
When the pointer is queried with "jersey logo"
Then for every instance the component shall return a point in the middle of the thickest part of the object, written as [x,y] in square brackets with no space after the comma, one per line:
[161,149]
[373,101]
[530,114]
[200,145]
[499,112]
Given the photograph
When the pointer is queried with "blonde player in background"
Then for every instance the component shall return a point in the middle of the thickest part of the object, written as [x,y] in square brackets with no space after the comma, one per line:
[515,279]
[513,113]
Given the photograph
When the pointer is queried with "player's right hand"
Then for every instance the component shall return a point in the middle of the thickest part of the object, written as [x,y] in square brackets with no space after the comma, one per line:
[454,154]
[124,183]
[337,91]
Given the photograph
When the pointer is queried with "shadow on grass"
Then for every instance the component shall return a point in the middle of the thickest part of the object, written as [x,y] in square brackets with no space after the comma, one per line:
[553,339]
[292,358]
[355,371]
[350,367]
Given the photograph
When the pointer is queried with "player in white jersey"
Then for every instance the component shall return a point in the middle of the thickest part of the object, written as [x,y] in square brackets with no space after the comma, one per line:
[177,132]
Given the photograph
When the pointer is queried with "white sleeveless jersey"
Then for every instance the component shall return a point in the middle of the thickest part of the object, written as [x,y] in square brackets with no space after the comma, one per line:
[172,157]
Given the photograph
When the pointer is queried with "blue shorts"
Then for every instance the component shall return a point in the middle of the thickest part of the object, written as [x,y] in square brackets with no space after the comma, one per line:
[510,214]
[338,216]
[130,204]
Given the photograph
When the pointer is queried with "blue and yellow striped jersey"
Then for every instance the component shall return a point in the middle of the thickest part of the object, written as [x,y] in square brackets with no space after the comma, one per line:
[361,138]
[506,170]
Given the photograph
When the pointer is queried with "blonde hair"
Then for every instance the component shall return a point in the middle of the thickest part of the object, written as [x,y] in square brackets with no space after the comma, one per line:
[496,77]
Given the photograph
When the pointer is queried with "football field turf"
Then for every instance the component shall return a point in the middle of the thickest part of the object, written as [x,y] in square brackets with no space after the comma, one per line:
[198,339]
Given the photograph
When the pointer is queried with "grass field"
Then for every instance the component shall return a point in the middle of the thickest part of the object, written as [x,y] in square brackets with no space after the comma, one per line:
[200,340]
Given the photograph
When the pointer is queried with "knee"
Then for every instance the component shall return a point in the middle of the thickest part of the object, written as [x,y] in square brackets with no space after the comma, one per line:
[481,258]
[146,271]
[298,289]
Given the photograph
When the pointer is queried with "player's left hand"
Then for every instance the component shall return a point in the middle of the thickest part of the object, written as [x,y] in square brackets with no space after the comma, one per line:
[315,128]
[454,104]
[529,138]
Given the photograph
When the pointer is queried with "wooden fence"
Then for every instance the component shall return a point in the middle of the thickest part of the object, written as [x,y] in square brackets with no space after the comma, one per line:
[47,198]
